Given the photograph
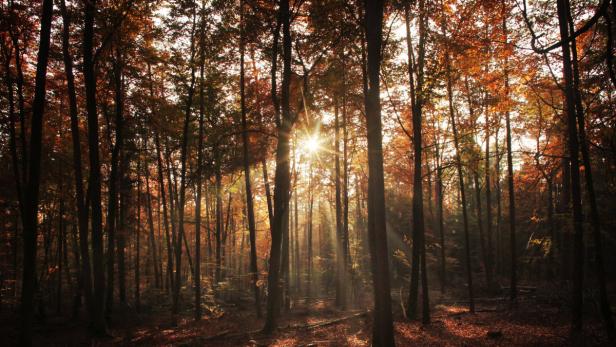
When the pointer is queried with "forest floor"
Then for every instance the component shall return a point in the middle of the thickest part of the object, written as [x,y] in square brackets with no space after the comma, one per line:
[540,319]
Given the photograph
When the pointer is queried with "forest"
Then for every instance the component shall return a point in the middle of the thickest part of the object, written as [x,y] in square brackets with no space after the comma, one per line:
[307,172]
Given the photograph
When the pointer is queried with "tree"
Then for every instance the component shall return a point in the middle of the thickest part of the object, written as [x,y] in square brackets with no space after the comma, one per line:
[82,212]
[512,245]
[382,334]
[89,72]
[30,218]
[417,100]
[282,177]
[249,202]
[183,163]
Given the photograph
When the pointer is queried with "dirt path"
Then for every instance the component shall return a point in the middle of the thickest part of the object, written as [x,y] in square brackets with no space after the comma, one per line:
[316,323]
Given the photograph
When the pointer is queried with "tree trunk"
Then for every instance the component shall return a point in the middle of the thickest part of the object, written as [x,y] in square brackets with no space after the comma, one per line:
[30,219]
[514,280]
[137,239]
[183,159]
[340,256]
[417,99]
[114,181]
[489,261]
[250,213]
[458,162]
[604,303]
[82,211]
[199,171]
[382,334]
[439,214]
[219,226]
[153,251]
[89,71]
[282,176]
[578,271]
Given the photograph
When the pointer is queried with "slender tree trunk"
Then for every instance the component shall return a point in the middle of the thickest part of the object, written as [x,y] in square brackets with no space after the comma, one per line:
[114,176]
[458,160]
[250,213]
[340,256]
[417,99]
[489,261]
[124,208]
[510,186]
[197,273]
[98,321]
[30,218]
[82,212]
[183,159]
[439,213]
[59,241]
[298,282]
[482,241]
[382,334]
[346,249]
[268,194]
[153,253]
[138,238]
[499,234]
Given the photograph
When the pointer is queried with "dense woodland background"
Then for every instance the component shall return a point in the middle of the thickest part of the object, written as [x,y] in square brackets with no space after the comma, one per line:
[303,172]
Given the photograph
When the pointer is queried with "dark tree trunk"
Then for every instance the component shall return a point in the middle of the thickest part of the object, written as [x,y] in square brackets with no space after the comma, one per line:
[138,238]
[183,160]
[340,256]
[30,218]
[250,213]
[489,258]
[89,71]
[499,236]
[417,100]
[153,250]
[197,273]
[124,208]
[268,193]
[82,211]
[578,261]
[382,334]
[309,233]
[114,176]
[440,217]
[282,177]
[219,226]
[604,303]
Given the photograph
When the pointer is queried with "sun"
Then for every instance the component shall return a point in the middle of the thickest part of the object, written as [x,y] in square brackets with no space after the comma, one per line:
[311,144]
